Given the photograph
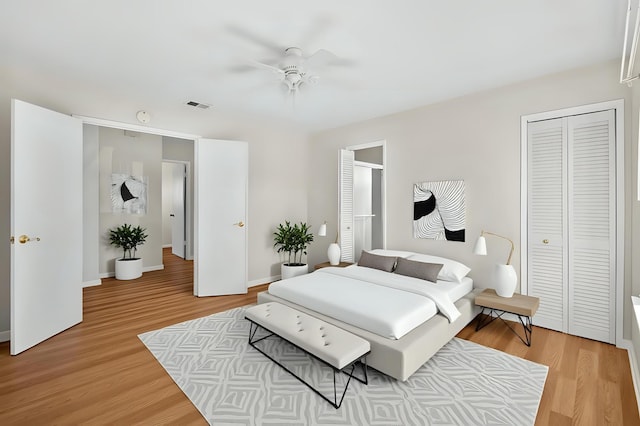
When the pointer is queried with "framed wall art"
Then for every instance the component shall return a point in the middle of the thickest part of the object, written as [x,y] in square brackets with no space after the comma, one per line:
[439,210]
[128,193]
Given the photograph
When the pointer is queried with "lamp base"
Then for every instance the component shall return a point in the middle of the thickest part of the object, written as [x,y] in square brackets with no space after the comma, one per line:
[334,254]
[505,280]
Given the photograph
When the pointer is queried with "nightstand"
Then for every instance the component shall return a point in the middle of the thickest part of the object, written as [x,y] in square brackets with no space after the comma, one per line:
[523,306]
[326,264]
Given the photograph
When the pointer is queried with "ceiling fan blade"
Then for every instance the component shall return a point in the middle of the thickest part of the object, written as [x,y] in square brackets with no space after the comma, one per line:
[256,39]
[271,68]
[323,58]
[317,28]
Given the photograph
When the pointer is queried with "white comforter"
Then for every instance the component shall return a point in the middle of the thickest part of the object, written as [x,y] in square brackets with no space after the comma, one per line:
[424,288]
[386,304]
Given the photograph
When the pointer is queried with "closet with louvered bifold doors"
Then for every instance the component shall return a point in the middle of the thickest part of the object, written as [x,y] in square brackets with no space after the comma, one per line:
[571,223]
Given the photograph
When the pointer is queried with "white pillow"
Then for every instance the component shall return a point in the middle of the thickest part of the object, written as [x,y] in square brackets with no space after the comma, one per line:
[451,270]
[392,253]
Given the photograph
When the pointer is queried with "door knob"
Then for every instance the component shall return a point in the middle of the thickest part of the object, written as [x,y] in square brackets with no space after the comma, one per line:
[239,224]
[23,239]
[545,241]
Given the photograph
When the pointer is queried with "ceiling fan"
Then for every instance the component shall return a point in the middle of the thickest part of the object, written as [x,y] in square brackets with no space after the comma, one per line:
[295,70]
[292,68]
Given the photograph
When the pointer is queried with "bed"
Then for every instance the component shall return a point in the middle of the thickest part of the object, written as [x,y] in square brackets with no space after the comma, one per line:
[405,317]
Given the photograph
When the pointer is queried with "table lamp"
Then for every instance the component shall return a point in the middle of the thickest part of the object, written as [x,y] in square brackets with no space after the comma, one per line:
[505,276]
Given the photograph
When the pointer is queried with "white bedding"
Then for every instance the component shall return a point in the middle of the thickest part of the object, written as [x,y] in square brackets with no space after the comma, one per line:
[383,303]
[438,292]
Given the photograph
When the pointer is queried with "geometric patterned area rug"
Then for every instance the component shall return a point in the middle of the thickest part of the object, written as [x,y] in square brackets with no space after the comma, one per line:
[230,382]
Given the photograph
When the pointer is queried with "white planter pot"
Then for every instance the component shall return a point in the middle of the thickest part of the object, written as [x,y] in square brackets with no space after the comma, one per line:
[505,280]
[128,269]
[293,271]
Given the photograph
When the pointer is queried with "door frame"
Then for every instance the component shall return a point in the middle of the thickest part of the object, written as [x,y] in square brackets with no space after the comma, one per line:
[188,218]
[618,106]
[152,131]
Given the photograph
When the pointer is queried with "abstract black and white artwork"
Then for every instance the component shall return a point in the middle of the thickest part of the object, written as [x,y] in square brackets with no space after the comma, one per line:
[439,210]
[128,193]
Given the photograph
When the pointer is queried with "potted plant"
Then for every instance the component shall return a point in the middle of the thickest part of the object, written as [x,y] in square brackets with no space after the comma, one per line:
[293,240]
[128,238]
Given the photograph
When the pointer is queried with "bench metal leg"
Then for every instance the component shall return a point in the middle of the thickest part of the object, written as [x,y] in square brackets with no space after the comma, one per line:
[334,403]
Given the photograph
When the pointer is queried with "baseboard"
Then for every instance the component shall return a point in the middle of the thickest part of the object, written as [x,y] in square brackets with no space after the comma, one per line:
[5,336]
[144,269]
[91,283]
[633,362]
[266,280]
[152,268]
[167,245]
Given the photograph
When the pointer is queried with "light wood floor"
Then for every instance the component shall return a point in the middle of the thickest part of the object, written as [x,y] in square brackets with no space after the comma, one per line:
[98,372]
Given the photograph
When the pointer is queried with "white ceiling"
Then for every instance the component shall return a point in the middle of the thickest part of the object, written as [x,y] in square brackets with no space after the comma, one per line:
[404,53]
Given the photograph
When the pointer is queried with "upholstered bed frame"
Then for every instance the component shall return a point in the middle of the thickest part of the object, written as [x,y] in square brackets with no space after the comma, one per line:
[401,358]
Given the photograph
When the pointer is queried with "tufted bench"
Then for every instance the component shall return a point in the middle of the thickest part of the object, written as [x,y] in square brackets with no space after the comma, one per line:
[334,346]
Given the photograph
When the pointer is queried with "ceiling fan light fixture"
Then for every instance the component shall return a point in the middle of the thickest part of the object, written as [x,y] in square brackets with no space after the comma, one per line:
[294,78]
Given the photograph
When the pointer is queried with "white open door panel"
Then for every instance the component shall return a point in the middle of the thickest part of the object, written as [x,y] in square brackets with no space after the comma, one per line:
[46,223]
[346,205]
[220,243]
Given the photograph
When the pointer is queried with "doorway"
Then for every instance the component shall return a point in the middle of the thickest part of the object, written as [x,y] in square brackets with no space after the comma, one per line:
[367,207]
[176,212]
[209,189]
[45,134]
[362,210]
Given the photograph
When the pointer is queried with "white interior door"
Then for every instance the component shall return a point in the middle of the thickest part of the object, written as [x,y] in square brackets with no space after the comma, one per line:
[220,185]
[571,237]
[46,223]
[547,223]
[178,240]
[592,226]
[346,205]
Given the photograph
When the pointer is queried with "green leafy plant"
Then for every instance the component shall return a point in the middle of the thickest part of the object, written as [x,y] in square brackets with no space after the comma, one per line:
[293,240]
[127,238]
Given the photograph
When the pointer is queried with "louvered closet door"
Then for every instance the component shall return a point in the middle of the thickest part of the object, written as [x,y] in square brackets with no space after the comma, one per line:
[547,256]
[591,214]
[346,205]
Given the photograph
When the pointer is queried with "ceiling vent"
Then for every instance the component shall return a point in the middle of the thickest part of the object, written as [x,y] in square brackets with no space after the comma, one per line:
[198,105]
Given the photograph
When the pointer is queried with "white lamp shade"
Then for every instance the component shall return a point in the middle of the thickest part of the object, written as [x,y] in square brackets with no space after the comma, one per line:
[322,231]
[481,247]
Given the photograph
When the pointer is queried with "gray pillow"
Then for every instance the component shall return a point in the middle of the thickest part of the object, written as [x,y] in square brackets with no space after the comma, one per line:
[384,263]
[422,270]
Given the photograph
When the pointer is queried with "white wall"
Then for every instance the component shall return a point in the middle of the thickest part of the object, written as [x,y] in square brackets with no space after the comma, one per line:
[277,155]
[123,154]
[475,138]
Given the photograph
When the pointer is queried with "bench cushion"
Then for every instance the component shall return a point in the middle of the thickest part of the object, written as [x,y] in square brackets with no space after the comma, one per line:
[335,346]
